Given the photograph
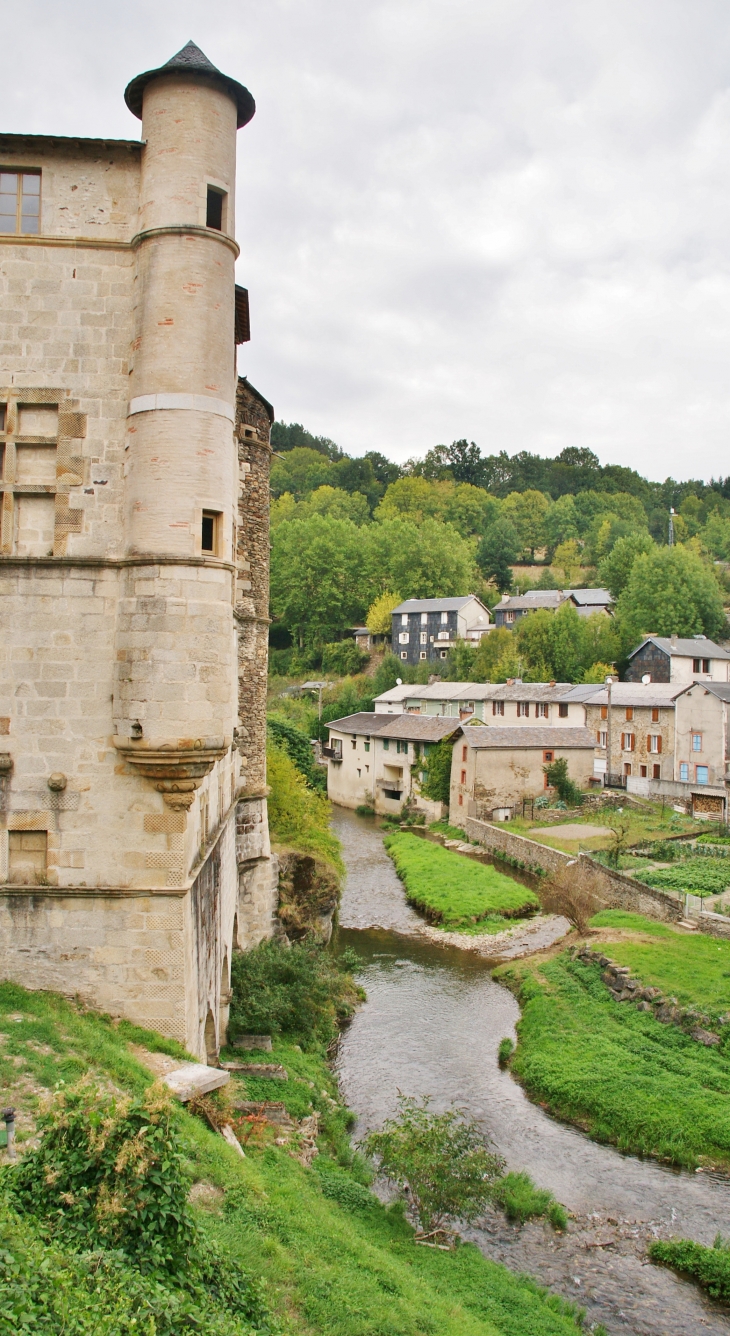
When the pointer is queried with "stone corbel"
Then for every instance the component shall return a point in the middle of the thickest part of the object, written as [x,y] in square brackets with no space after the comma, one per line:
[176,769]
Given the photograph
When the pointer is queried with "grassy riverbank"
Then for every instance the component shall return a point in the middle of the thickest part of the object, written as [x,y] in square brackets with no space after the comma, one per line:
[617,1072]
[453,891]
[321,1253]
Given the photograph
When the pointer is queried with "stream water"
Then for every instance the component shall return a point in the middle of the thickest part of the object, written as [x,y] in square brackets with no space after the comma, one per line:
[432,1026]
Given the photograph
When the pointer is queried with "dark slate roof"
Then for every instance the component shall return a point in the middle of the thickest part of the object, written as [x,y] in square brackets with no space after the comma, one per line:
[695,648]
[364,723]
[534,598]
[418,727]
[434,604]
[520,739]
[719,689]
[593,597]
[190,60]
[257,395]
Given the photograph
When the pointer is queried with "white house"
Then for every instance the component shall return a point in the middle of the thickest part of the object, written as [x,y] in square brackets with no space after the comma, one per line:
[671,659]
[374,759]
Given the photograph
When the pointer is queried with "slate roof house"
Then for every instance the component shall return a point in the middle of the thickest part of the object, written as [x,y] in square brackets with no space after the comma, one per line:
[670,659]
[369,759]
[585,601]
[426,629]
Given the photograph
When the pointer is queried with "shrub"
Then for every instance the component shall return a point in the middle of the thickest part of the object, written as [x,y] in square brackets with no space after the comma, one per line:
[299,991]
[559,779]
[520,1200]
[287,737]
[343,658]
[437,768]
[575,892]
[108,1172]
[297,816]
[709,1266]
[441,1159]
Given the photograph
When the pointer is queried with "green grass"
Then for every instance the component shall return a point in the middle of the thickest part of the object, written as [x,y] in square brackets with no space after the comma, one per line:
[452,890]
[710,1267]
[449,832]
[695,969]
[520,1200]
[617,1072]
[645,824]
[330,1258]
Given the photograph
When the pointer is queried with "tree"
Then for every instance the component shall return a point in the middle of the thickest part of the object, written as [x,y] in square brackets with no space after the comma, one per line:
[378,620]
[527,511]
[670,591]
[289,437]
[561,522]
[320,578]
[460,661]
[300,472]
[466,463]
[497,551]
[558,778]
[615,569]
[567,560]
[430,560]
[441,1159]
[598,672]
[337,502]
[490,650]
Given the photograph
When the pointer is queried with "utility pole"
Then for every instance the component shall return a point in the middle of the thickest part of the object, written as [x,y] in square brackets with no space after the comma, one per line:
[670,535]
[609,712]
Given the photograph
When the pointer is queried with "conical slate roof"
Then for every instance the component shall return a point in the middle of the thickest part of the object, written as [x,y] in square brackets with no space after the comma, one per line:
[190,60]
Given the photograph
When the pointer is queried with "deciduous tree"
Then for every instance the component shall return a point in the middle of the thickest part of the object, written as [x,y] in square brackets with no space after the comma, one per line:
[671,591]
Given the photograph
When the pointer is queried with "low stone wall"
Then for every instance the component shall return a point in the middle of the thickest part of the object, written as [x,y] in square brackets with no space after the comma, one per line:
[715,925]
[617,891]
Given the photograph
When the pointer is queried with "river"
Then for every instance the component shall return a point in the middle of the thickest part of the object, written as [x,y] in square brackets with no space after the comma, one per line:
[432,1026]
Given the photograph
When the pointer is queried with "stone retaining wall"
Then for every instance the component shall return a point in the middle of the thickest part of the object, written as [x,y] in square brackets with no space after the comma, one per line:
[716,925]
[618,891]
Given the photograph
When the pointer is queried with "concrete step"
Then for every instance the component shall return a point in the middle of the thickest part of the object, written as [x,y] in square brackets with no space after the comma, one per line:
[689,925]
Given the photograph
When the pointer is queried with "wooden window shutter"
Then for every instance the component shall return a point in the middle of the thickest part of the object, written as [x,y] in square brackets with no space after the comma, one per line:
[243,323]
[659,743]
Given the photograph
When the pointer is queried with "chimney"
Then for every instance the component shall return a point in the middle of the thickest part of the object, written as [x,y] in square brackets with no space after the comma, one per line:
[673,641]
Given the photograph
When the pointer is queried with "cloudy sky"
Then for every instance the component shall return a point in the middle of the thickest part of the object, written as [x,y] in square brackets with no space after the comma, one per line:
[507,220]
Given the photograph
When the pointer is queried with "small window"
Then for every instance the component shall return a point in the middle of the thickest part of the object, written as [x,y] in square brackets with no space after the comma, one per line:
[523,709]
[696,742]
[3,410]
[497,707]
[702,773]
[367,744]
[422,654]
[705,665]
[354,743]
[654,742]
[444,618]
[602,739]
[684,772]
[604,711]
[461,800]
[403,638]
[548,757]
[214,211]
[404,619]
[541,710]
[655,715]
[464,752]
[563,711]
[627,742]
[696,665]
[424,619]
[20,202]
[404,653]
[627,768]
[386,744]
[642,771]
[424,637]
[209,532]
[656,772]
[629,713]
[509,616]
[463,776]
[443,654]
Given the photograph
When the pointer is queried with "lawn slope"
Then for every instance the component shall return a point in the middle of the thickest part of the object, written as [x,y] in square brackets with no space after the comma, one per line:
[452,890]
[329,1257]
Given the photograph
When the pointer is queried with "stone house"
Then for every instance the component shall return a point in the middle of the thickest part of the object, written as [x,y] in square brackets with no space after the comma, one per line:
[641,727]
[374,759]
[426,629]
[494,769]
[670,659]
[134,850]
[514,607]
[702,746]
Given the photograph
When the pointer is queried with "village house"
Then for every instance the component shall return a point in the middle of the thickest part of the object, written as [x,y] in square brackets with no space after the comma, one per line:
[499,703]
[670,659]
[425,629]
[134,847]
[373,759]
[641,729]
[514,607]
[494,769]
[702,748]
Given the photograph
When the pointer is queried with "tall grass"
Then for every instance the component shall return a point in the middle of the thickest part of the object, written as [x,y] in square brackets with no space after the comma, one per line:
[452,890]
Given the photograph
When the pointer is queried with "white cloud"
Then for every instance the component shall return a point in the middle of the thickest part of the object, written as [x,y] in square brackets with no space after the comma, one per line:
[502,220]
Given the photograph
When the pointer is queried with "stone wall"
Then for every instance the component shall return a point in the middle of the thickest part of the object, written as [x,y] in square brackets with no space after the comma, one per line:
[618,892]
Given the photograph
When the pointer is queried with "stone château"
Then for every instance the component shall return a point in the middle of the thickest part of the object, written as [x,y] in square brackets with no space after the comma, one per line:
[134,850]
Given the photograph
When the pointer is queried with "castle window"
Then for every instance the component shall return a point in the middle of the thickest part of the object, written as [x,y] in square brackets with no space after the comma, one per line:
[209,533]
[214,211]
[20,202]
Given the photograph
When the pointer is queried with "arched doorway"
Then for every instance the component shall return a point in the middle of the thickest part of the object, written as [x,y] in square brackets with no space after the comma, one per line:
[211,1042]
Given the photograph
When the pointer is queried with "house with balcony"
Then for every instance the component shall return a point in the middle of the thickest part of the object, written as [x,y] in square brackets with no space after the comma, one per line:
[671,659]
[374,759]
[425,629]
